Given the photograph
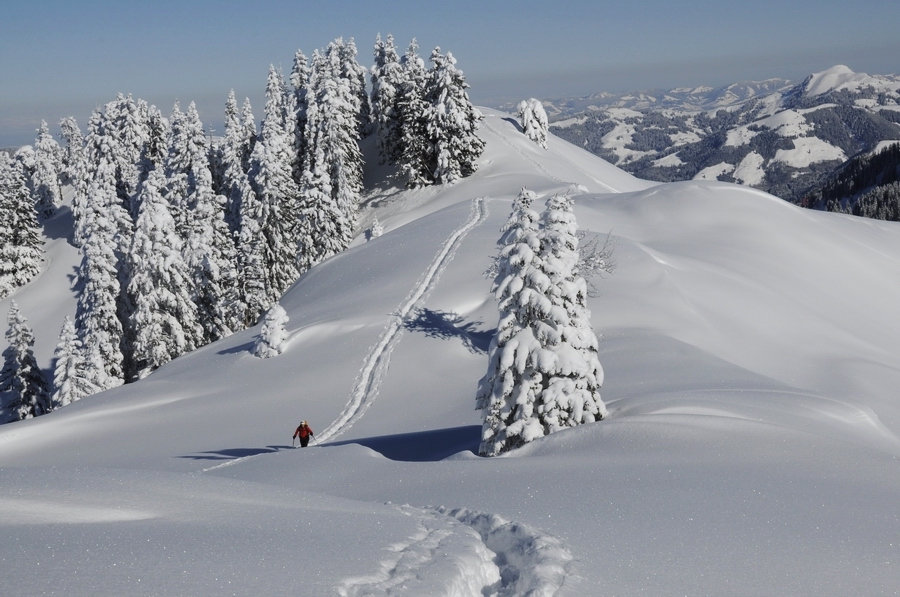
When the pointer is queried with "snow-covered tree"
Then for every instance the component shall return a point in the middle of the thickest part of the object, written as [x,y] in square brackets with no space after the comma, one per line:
[534,122]
[208,247]
[272,339]
[332,178]
[163,324]
[376,230]
[543,374]
[413,149]
[571,395]
[21,380]
[46,178]
[73,153]
[70,378]
[271,176]
[387,77]
[355,76]
[21,249]
[300,76]
[452,122]
[507,393]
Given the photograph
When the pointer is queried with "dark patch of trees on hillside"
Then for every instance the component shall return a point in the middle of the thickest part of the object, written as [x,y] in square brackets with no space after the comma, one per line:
[867,186]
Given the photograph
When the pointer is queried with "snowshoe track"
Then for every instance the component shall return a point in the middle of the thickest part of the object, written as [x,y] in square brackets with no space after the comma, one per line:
[463,553]
[376,363]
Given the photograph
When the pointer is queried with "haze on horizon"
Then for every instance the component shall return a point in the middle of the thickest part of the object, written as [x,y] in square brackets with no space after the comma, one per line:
[63,59]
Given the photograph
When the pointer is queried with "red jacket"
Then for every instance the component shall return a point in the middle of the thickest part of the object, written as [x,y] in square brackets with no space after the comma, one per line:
[303,431]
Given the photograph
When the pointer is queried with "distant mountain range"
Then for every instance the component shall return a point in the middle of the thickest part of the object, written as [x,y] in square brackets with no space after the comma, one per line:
[784,138]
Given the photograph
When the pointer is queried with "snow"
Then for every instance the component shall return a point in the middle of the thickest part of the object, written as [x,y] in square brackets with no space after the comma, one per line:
[750,170]
[714,172]
[741,135]
[669,160]
[751,448]
[809,150]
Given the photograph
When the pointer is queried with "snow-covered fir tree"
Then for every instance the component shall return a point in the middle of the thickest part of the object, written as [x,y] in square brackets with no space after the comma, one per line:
[413,150]
[534,121]
[376,230]
[98,319]
[21,248]
[271,176]
[543,374]
[73,153]
[507,393]
[70,377]
[22,383]
[272,339]
[571,394]
[45,180]
[332,178]
[164,322]
[452,122]
[300,76]
[387,85]
[355,76]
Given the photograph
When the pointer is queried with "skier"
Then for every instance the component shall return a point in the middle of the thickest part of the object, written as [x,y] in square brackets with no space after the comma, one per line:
[304,433]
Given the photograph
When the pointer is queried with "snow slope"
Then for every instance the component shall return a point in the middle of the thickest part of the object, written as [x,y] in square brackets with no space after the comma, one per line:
[750,350]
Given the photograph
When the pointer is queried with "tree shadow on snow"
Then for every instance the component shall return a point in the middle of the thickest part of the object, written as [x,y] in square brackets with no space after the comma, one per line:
[515,123]
[235,453]
[245,347]
[442,325]
[423,446]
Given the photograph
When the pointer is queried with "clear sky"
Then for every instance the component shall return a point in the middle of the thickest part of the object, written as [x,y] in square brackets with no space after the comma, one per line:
[65,57]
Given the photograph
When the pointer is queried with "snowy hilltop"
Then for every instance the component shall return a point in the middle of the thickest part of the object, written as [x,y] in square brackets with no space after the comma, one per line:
[748,445]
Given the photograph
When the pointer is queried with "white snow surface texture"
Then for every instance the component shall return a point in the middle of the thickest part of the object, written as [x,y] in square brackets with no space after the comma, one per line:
[752,359]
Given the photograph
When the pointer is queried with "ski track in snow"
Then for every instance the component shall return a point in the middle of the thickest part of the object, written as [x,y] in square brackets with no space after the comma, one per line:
[463,553]
[539,166]
[377,361]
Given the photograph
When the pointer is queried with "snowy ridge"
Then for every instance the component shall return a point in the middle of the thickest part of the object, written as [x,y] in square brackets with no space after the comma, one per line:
[377,361]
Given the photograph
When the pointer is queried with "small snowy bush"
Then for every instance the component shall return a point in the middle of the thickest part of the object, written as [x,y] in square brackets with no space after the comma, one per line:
[272,339]
[533,119]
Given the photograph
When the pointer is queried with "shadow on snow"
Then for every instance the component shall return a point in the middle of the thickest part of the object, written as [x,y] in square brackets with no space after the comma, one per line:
[422,446]
[443,325]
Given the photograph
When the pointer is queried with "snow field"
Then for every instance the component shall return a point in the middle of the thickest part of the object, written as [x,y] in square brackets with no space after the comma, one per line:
[751,449]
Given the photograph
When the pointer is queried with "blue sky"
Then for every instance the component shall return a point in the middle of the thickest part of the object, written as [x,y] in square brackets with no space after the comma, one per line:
[65,58]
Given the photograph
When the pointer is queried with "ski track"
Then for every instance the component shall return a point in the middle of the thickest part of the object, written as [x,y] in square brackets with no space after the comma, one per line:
[377,361]
[539,166]
[464,553]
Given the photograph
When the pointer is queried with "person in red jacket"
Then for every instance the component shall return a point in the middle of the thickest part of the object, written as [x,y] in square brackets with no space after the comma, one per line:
[304,433]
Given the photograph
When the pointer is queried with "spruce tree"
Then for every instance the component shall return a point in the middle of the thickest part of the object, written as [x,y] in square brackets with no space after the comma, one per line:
[300,77]
[271,177]
[571,394]
[21,248]
[70,379]
[21,379]
[387,85]
[73,153]
[543,374]
[46,178]
[452,121]
[164,322]
[413,150]
[208,247]
[97,318]
[355,76]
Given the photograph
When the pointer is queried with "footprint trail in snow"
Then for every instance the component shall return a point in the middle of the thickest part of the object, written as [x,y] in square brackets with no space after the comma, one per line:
[463,553]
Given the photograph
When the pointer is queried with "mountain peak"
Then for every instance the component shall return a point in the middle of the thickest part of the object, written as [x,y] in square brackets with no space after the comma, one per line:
[835,78]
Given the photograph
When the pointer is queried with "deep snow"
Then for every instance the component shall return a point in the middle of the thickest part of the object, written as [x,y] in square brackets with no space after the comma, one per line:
[750,350]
